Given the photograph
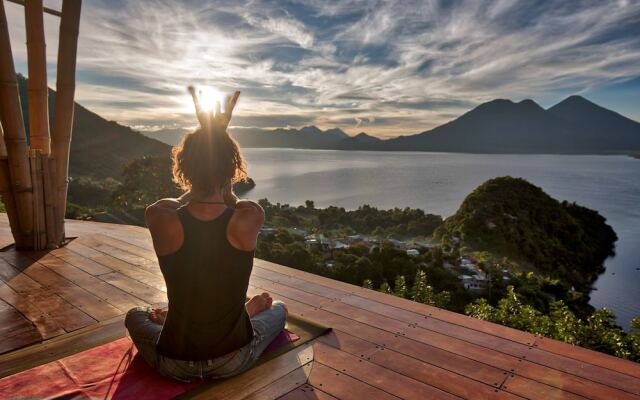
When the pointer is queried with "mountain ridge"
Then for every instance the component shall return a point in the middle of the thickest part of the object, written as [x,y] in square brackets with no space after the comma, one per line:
[99,148]
[501,126]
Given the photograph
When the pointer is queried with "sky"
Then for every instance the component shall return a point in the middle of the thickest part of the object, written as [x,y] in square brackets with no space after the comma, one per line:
[387,68]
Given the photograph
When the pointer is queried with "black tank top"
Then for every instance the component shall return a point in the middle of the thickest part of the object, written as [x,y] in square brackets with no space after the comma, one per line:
[207,281]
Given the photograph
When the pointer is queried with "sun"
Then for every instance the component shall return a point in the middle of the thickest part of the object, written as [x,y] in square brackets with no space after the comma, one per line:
[209,96]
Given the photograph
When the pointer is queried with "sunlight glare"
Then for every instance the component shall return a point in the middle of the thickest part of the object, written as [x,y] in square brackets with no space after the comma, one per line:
[209,96]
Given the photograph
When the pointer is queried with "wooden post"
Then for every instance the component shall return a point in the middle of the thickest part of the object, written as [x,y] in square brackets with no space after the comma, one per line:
[5,189]
[63,119]
[48,181]
[38,89]
[39,224]
[14,137]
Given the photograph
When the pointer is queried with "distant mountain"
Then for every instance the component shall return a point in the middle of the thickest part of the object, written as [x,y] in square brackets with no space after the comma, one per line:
[308,137]
[573,126]
[598,127]
[99,148]
[499,126]
[358,142]
[170,136]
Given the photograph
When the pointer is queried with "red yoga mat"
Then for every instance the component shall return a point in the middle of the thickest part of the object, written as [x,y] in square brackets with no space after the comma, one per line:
[108,371]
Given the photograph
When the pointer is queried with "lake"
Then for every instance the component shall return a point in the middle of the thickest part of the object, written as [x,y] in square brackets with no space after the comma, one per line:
[439,182]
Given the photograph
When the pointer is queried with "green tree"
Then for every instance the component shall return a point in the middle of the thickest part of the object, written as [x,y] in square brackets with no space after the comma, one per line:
[597,332]
[422,292]
[367,284]
[400,287]
[385,288]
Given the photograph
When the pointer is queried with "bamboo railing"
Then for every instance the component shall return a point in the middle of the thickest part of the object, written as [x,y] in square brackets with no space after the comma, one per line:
[37,86]
[63,120]
[33,175]
[15,140]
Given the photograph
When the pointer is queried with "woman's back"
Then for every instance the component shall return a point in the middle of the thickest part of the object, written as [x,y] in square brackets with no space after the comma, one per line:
[207,279]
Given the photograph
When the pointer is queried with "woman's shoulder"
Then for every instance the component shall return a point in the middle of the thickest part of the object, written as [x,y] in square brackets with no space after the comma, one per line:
[249,209]
[245,223]
[164,224]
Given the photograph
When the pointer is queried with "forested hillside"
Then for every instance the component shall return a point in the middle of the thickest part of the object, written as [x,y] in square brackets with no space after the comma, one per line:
[99,148]
[514,218]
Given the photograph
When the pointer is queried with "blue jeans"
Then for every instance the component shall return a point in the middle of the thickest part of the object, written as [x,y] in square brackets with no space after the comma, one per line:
[145,333]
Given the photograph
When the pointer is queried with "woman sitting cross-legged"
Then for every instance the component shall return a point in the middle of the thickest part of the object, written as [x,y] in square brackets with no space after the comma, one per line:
[205,243]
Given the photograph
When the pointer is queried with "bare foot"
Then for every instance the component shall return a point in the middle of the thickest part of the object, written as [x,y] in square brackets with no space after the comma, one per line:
[158,316]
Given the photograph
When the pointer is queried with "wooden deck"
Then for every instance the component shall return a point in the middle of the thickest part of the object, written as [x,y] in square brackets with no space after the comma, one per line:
[381,347]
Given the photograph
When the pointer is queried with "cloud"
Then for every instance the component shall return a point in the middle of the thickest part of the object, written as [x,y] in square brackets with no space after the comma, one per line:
[390,67]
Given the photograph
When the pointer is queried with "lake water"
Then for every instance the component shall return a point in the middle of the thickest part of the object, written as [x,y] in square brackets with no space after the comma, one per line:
[439,182]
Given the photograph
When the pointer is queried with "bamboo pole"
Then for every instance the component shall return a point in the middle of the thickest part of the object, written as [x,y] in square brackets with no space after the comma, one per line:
[48,179]
[5,189]
[40,233]
[37,86]
[45,9]
[63,119]
[14,136]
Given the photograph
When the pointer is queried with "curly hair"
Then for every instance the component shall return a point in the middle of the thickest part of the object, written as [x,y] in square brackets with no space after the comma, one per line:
[208,162]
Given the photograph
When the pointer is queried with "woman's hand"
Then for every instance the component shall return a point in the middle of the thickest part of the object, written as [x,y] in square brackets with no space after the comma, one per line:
[258,304]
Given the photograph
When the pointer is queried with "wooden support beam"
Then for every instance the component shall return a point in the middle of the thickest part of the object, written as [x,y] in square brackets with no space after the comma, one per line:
[45,9]
[15,137]
[37,86]
[48,185]
[5,188]
[39,224]
[65,92]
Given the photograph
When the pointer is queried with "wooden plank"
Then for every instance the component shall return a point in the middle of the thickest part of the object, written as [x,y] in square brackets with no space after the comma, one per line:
[12,321]
[95,243]
[430,374]
[111,294]
[153,279]
[81,249]
[413,330]
[432,324]
[577,383]
[589,356]
[137,289]
[307,392]
[505,363]
[405,304]
[530,389]
[352,318]
[20,282]
[149,254]
[324,291]
[85,264]
[459,363]
[62,312]
[16,331]
[79,297]
[344,386]
[284,385]
[24,338]
[256,378]
[44,323]
[377,375]
[140,275]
